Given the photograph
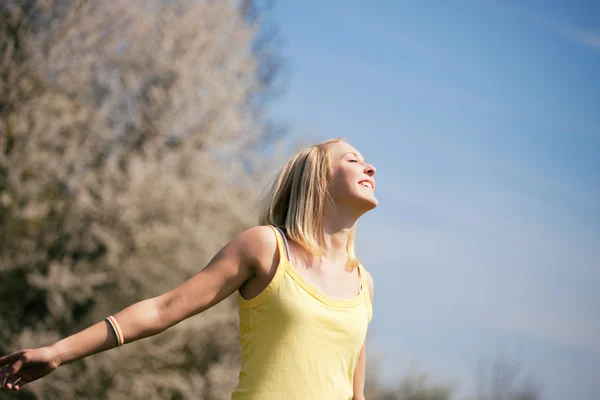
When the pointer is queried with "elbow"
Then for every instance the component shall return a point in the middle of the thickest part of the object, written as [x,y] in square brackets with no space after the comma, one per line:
[161,320]
[170,310]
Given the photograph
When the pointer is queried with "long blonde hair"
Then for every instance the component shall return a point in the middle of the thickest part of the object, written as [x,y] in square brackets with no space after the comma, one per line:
[297,198]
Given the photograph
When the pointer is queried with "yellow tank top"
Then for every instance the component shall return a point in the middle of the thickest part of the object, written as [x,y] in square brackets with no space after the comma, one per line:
[298,343]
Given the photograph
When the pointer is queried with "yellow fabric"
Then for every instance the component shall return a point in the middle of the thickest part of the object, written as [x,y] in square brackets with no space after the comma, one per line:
[298,343]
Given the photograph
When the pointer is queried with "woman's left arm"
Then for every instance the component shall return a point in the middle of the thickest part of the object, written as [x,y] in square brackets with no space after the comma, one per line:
[360,369]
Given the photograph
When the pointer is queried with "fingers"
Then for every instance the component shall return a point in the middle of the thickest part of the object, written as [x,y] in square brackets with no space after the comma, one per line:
[13,382]
[14,368]
[9,359]
[8,374]
[14,362]
[17,383]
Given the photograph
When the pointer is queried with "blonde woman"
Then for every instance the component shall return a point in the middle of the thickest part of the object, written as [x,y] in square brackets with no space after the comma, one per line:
[304,298]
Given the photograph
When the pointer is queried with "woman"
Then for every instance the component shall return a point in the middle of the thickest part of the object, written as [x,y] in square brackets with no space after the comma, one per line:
[304,298]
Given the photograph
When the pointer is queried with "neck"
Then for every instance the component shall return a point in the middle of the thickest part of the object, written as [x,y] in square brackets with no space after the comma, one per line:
[337,224]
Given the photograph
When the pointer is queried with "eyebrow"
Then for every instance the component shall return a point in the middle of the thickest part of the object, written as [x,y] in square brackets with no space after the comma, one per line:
[356,154]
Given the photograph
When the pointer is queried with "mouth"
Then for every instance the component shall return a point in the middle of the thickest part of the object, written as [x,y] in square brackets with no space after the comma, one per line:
[366,184]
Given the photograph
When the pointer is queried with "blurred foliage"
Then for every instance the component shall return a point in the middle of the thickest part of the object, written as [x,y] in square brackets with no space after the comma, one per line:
[130,133]
[498,379]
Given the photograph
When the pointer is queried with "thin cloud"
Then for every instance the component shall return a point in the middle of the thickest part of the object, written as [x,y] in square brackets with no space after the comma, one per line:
[581,36]
[496,237]
[558,327]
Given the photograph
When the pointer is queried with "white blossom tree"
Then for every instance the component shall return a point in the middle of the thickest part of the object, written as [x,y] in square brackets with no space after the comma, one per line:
[130,133]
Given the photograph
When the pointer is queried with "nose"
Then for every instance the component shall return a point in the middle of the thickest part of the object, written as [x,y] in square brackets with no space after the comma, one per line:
[370,169]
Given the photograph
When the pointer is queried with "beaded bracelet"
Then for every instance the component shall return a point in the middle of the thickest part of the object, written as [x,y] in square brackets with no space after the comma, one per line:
[116,329]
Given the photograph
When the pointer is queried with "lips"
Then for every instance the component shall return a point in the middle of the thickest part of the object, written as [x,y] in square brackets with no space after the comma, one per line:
[367,183]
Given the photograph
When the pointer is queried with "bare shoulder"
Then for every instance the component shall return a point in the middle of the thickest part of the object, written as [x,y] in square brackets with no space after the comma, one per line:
[258,244]
[370,283]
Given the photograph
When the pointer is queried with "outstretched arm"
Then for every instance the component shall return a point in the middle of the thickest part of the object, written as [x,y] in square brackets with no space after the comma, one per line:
[232,266]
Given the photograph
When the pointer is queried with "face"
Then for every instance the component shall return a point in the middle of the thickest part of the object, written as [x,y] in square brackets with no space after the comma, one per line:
[353,184]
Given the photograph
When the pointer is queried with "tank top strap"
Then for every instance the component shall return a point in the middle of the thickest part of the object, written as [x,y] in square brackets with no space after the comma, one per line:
[285,243]
[361,274]
[281,237]
[360,282]
[365,290]
[282,246]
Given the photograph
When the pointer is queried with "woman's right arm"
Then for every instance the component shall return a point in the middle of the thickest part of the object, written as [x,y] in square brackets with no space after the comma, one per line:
[231,267]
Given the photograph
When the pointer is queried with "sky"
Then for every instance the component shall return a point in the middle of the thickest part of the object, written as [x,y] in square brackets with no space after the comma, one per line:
[483,121]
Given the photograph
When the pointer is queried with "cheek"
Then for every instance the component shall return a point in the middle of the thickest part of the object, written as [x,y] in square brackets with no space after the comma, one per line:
[342,184]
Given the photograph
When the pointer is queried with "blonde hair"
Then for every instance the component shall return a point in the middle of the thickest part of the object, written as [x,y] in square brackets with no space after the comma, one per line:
[297,198]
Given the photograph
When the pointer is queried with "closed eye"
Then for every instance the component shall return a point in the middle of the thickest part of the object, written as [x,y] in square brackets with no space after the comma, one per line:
[354,161]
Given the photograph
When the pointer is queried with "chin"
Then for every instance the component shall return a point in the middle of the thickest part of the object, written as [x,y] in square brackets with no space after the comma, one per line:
[374,204]
[369,204]
[359,202]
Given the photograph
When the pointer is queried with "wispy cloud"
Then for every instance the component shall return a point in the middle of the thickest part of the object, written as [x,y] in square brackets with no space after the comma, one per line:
[581,35]
[584,37]
[554,326]
[497,256]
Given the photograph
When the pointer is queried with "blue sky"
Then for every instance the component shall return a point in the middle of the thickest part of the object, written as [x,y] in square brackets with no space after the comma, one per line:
[483,120]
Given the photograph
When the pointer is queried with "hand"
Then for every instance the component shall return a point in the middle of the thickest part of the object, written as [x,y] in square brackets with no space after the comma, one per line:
[24,366]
